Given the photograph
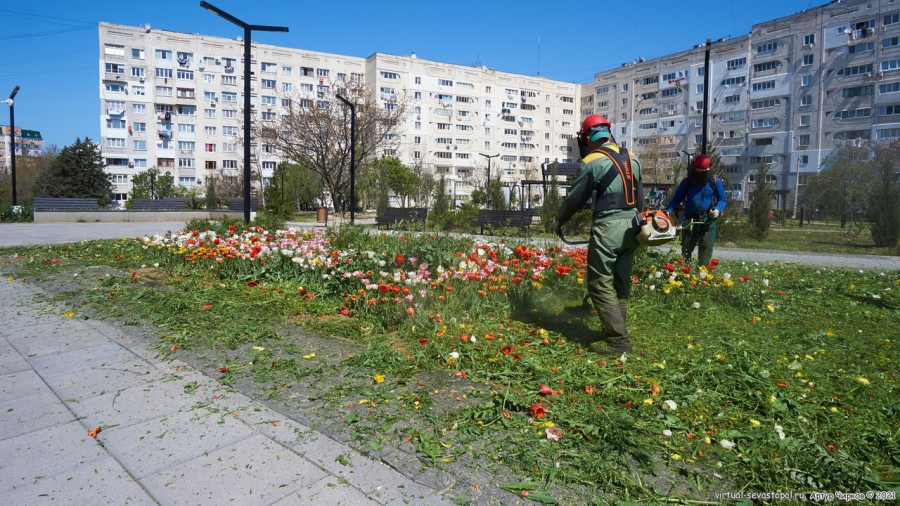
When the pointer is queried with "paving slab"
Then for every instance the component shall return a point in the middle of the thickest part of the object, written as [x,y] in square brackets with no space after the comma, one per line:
[58,363]
[52,337]
[155,445]
[45,452]
[329,490]
[253,471]
[103,378]
[21,384]
[33,412]
[101,481]
[11,360]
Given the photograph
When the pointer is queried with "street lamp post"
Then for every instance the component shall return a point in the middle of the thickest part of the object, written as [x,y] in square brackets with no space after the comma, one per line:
[352,107]
[12,139]
[488,194]
[248,28]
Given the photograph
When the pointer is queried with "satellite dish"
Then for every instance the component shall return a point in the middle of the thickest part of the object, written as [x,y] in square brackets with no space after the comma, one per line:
[147,26]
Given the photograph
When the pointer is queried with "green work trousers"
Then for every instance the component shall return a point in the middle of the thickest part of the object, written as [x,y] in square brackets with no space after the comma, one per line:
[610,260]
[701,235]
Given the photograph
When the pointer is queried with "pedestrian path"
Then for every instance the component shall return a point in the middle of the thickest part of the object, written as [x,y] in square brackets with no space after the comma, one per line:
[168,434]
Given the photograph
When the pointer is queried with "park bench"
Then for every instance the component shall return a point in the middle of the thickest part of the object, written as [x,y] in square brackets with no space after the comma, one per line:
[395,215]
[166,204]
[495,218]
[238,205]
[64,204]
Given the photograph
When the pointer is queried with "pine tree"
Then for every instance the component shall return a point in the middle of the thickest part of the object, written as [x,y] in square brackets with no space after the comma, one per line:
[441,203]
[551,201]
[758,216]
[76,172]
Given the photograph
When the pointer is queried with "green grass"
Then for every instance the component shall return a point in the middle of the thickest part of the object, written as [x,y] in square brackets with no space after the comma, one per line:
[765,350]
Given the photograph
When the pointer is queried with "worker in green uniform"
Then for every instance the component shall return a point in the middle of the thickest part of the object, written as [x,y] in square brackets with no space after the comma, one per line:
[609,178]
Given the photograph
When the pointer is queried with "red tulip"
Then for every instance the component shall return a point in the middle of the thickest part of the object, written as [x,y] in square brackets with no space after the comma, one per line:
[537,411]
[207,307]
[545,390]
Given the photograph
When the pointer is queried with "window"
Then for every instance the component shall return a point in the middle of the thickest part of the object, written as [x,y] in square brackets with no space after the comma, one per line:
[863,112]
[229,80]
[808,59]
[185,92]
[114,142]
[445,82]
[285,70]
[732,99]
[209,130]
[806,100]
[699,105]
[163,54]
[856,91]
[855,70]
[806,80]
[137,54]
[140,145]
[115,68]
[209,165]
[186,180]
[890,65]
[736,63]
[733,116]
[890,42]
[138,90]
[861,48]
[733,81]
[267,100]
[114,50]
[769,65]
[889,88]
[671,76]
[804,119]
[164,91]
[285,102]
[645,81]
[229,96]
[186,163]
[137,72]
[390,75]
[287,87]
[115,123]
[764,85]
[185,75]
[765,104]
[809,40]
[139,108]
[763,123]
[267,83]
[765,141]
[322,72]
[167,73]
[732,152]
[889,110]
[186,145]
[887,133]
[269,68]
[756,160]
[209,148]
[766,48]
[229,130]
[701,72]
[187,110]
[229,113]
[803,159]
[229,164]
[139,126]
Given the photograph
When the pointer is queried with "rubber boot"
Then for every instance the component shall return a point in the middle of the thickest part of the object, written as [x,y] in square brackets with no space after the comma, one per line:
[616,340]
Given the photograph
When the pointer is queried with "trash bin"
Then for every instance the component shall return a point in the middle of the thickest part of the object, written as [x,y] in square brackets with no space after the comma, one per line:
[322,214]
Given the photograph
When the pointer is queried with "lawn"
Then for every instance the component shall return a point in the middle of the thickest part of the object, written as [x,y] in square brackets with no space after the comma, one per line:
[472,358]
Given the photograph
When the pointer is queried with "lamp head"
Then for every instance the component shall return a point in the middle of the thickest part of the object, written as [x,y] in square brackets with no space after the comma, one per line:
[13,94]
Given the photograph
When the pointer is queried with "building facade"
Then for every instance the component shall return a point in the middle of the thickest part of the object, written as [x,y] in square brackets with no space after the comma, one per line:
[173,101]
[788,95]
[28,143]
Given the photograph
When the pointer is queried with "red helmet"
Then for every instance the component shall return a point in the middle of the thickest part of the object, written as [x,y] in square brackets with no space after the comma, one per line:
[593,124]
[701,162]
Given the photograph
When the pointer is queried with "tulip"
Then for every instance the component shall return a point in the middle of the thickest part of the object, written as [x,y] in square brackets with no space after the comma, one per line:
[545,390]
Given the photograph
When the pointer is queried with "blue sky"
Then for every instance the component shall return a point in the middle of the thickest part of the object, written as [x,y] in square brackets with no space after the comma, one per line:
[51,51]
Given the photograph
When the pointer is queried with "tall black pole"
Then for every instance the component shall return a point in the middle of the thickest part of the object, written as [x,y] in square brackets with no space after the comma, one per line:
[247,140]
[705,96]
[352,107]
[12,139]
[488,189]
[248,32]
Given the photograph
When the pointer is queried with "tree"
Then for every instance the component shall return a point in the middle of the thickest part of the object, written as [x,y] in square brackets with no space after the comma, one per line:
[76,172]
[212,198]
[153,184]
[498,198]
[838,190]
[441,202]
[396,177]
[315,131]
[551,201]
[883,198]
[28,168]
[424,190]
[758,216]
[293,187]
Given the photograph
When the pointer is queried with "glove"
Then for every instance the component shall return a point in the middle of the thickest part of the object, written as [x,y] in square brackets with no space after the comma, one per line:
[556,227]
[714,214]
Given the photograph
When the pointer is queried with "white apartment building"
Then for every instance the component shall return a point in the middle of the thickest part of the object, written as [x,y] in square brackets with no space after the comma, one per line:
[788,94]
[28,143]
[173,100]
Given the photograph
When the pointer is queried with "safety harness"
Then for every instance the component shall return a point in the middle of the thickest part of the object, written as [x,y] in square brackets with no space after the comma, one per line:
[622,162]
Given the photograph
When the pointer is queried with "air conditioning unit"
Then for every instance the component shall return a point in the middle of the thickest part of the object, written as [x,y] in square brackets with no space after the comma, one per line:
[212,104]
[142,79]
